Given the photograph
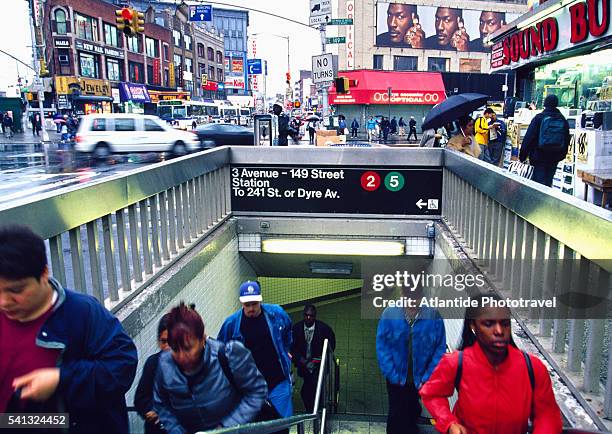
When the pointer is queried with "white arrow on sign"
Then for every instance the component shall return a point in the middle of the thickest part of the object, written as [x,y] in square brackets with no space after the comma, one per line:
[421,204]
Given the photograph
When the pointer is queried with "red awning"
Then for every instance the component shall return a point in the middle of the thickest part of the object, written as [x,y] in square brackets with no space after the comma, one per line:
[423,88]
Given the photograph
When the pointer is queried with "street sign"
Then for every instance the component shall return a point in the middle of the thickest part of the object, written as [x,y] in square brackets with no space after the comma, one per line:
[200,13]
[320,11]
[340,22]
[336,40]
[322,68]
[254,66]
[310,189]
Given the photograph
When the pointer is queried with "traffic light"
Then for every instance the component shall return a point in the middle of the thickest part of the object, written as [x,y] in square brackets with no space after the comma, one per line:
[288,77]
[342,85]
[297,104]
[43,68]
[137,21]
[124,19]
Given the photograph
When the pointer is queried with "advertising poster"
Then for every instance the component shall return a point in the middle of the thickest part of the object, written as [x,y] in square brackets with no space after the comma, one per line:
[238,65]
[405,25]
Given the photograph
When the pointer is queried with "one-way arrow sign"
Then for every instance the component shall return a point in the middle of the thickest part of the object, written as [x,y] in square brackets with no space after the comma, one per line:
[421,204]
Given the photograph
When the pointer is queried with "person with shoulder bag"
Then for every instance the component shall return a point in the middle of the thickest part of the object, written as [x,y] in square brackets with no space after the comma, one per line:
[192,392]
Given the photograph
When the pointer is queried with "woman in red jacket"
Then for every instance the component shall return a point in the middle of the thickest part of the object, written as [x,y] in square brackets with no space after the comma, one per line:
[496,394]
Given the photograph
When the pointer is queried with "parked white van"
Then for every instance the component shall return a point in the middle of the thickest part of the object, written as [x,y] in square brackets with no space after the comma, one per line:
[105,134]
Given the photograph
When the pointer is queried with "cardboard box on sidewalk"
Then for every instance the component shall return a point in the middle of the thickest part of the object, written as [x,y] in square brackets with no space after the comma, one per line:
[329,139]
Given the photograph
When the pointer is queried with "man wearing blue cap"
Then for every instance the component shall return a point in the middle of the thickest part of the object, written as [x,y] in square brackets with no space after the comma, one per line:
[264,329]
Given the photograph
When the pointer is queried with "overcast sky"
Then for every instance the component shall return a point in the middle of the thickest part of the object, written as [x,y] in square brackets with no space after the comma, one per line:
[304,42]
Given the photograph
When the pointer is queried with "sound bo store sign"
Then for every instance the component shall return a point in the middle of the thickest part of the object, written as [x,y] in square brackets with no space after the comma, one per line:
[563,28]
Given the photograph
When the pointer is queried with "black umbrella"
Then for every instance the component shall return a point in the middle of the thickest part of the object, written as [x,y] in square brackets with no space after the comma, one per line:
[453,108]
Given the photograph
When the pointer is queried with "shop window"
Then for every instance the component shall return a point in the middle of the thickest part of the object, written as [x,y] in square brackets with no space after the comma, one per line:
[89,65]
[166,55]
[437,64]
[111,36]
[124,124]
[210,54]
[583,82]
[86,27]
[113,70]
[405,63]
[60,22]
[150,125]
[136,72]
[377,62]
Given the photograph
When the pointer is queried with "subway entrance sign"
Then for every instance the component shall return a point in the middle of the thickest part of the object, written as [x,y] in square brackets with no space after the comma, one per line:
[332,190]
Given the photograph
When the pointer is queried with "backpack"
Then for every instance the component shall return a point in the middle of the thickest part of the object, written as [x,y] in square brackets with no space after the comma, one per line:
[552,133]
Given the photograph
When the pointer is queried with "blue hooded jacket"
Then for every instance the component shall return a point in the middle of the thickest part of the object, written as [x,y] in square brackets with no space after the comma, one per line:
[97,363]
[279,324]
[428,344]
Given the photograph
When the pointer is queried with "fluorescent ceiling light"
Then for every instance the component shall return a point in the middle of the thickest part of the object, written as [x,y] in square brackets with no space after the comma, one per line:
[330,268]
[333,247]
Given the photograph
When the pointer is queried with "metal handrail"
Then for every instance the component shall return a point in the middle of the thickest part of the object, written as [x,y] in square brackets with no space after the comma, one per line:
[582,226]
[285,423]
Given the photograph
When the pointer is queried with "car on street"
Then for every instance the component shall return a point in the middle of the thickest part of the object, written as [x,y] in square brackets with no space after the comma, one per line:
[104,134]
[212,135]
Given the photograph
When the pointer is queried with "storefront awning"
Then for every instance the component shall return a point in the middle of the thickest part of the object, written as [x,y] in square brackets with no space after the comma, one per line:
[372,87]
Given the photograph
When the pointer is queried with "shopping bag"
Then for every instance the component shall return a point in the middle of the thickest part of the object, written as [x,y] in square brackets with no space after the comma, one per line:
[521,169]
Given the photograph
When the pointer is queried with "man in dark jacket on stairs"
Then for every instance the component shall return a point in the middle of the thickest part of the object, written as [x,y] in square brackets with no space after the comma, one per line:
[307,350]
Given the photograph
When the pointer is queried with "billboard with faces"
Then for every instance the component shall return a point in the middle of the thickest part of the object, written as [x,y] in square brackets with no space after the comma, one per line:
[406,25]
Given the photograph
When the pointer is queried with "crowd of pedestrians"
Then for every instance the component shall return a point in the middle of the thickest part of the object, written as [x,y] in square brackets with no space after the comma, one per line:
[62,351]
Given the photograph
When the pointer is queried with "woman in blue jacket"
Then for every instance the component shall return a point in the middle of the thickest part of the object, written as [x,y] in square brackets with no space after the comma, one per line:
[193,391]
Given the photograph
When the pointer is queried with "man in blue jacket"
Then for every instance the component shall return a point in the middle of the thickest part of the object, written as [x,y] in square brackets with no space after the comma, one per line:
[60,351]
[265,329]
[409,344]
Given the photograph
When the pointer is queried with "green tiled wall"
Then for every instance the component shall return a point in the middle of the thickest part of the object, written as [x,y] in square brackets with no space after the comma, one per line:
[283,291]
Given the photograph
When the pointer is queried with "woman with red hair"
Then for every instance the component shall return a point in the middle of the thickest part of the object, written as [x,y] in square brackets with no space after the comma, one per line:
[202,383]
